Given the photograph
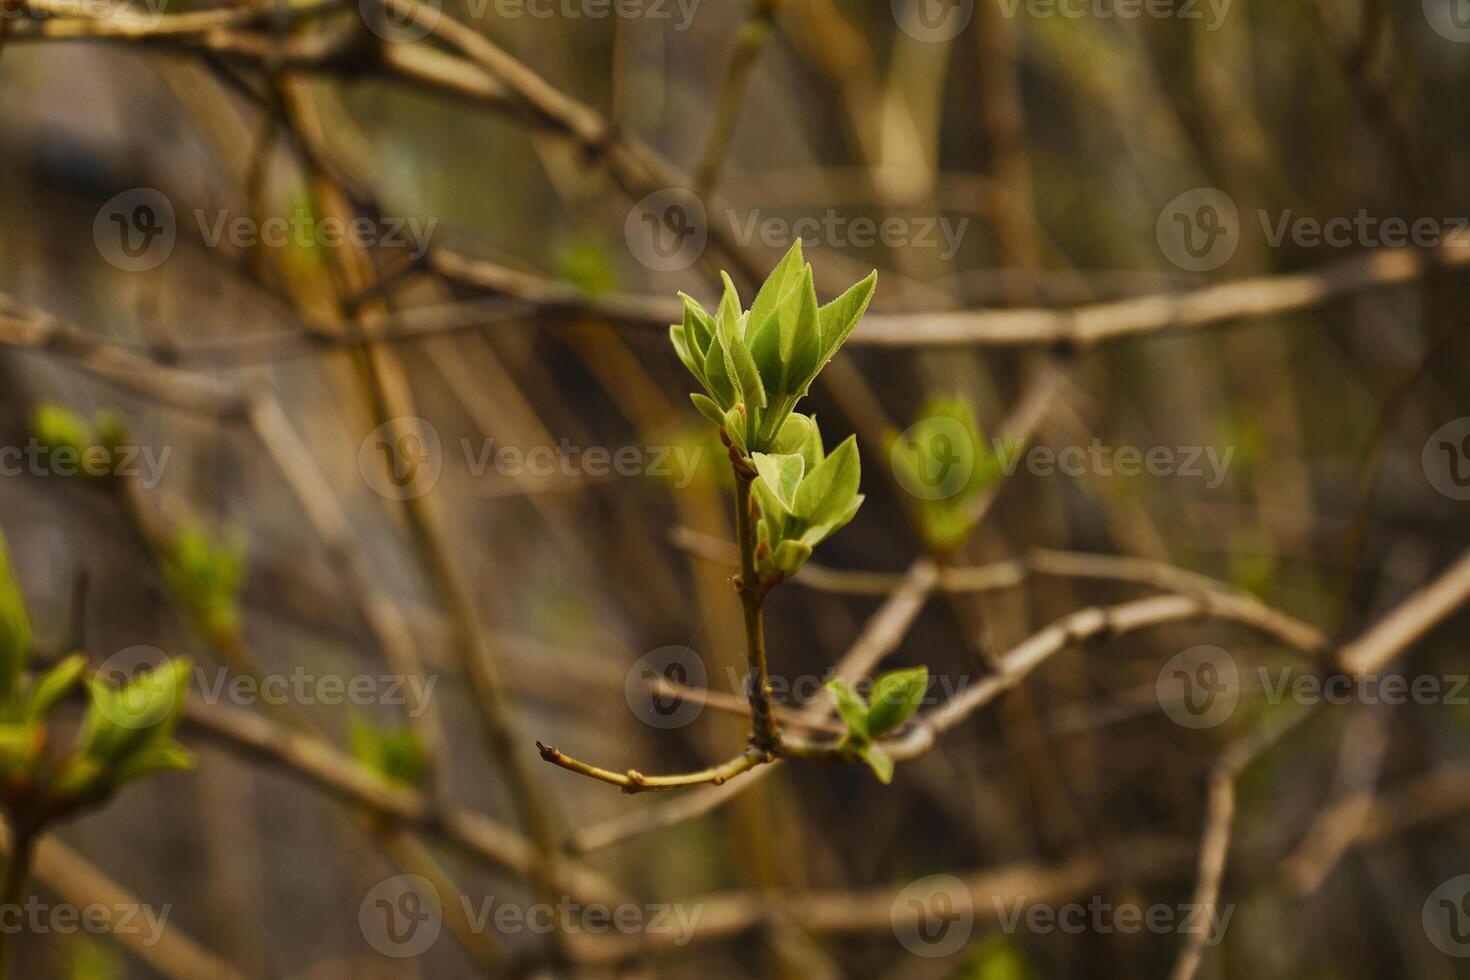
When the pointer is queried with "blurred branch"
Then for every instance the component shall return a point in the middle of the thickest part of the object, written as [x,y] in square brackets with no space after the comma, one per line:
[80,883]
[329,770]
[754,35]
[1409,621]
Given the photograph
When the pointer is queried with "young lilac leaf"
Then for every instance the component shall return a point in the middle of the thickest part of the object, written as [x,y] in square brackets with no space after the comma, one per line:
[827,492]
[738,360]
[15,628]
[717,379]
[162,757]
[839,317]
[781,475]
[794,434]
[52,686]
[851,708]
[699,326]
[773,514]
[56,427]
[804,355]
[707,408]
[678,335]
[896,695]
[735,428]
[790,556]
[879,761]
[815,534]
[775,286]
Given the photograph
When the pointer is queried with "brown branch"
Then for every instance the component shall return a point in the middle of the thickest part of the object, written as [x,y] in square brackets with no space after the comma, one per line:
[1409,621]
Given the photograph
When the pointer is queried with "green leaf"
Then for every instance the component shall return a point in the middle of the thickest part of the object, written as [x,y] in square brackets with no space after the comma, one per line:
[828,490]
[15,628]
[773,514]
[851,708]
[786,342]
[678,336]
[879,761]
[57,427]
[717,375]
[738,359]
[815,534]
[896,696]
[735,428]
[121,721]
[54,685]
[776,285]
[790,556]
[839,317]
[707,408]
[781,475]
[794,434]
[699,326]
[150,759]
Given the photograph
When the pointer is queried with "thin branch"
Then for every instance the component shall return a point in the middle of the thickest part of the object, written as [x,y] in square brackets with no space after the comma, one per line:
[1409,621]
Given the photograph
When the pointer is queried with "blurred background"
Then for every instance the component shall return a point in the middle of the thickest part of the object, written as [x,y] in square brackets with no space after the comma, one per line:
[382,294]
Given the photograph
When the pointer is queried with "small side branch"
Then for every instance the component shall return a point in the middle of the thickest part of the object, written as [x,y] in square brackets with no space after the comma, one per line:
[634,781]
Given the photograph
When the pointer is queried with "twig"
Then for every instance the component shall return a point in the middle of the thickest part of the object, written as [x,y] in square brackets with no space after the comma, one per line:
[1414,617]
